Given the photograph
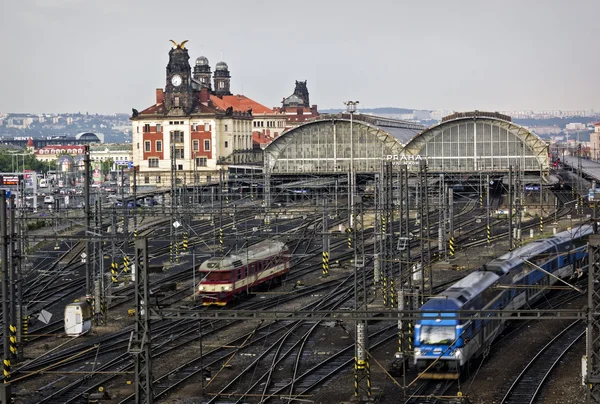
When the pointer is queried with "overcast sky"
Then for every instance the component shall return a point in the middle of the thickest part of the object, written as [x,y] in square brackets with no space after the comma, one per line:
[109,56]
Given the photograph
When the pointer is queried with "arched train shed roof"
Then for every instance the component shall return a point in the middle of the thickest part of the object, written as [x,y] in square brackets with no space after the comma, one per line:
[324,147]
[477,141]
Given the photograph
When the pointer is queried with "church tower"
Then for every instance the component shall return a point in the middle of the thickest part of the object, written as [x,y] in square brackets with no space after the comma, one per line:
[202,73]
[222,79]
[302,91]
[178,91]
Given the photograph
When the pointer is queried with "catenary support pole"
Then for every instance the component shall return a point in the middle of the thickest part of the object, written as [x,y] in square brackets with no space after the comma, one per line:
[5,391]
[88,242]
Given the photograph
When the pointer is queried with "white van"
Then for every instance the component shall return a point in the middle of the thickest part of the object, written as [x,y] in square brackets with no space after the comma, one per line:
[78,318]
[49,199]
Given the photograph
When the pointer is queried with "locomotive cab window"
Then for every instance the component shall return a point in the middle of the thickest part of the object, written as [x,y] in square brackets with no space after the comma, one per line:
[437,334]
[218,276]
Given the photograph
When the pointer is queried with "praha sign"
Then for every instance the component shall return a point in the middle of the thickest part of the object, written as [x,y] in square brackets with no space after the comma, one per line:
[399,159]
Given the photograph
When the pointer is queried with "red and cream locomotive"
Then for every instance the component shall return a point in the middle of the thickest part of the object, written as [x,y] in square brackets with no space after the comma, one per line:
[226,278]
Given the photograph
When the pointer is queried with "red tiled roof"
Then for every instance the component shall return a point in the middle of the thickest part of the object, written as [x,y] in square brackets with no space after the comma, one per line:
[219,103]
[156,109]
[200,108]
[243,103]
[239,103]
[159,109]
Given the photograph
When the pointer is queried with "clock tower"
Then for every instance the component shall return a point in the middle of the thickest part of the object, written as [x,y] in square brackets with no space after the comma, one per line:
[178,90]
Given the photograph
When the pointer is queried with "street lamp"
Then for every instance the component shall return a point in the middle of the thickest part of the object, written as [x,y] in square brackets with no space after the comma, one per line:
[361,342]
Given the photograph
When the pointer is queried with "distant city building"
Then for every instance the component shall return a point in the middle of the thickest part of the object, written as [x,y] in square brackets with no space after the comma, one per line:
[39,143]
[438,114]
[120,155]
[529,114]
[421,115]
[19,121]
[595,142]
[545,130]
[50,153]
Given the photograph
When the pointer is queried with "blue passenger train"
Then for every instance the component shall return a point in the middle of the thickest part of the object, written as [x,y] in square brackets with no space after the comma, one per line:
[444,346]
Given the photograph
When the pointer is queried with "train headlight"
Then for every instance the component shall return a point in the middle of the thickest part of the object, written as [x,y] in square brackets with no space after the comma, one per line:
[201,288]
[417,352]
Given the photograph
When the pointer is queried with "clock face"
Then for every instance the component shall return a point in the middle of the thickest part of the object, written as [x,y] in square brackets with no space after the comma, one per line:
[176,80]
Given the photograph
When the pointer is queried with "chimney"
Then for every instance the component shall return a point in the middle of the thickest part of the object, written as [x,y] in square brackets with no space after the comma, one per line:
[160,96]
[204,96]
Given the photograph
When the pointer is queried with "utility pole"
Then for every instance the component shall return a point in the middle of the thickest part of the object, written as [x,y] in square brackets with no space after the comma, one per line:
[173,199]
[134,189]
[325,270]
[220,194]
[510,208]
[141,339]
[423,205]
[387,212]
[100,300]
[451,223]
[88,230]
[14,262]
[579,179]
[362,372]
[487,207]
[20,252]
[592,377]
[5,392]
[428,267]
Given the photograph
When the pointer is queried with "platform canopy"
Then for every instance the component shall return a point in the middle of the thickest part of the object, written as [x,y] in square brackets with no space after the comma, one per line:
[477,142]
[329,146]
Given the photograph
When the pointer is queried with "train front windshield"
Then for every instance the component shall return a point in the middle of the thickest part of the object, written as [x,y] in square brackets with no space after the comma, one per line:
[217,276]
[437,334]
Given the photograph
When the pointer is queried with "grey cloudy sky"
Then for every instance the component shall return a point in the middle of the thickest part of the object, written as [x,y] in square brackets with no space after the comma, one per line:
[108,56]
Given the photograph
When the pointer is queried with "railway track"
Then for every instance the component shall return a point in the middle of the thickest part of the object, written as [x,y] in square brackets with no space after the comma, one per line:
[306,250]
[526,386]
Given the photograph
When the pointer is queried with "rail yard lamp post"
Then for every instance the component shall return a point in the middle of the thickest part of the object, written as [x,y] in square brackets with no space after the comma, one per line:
[196,177]
[351,109]
[361,368]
